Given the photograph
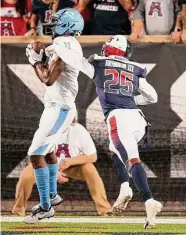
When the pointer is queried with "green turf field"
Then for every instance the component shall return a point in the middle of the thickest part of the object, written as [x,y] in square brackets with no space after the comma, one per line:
[96,227]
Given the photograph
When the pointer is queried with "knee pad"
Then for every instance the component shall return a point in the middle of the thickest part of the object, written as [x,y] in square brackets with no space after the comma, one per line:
[132,161]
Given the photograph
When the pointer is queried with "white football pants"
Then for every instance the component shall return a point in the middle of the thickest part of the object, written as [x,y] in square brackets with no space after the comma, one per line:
[126,127]
[53,122]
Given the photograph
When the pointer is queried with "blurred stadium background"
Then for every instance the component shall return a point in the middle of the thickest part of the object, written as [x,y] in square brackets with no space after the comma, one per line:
[164,159]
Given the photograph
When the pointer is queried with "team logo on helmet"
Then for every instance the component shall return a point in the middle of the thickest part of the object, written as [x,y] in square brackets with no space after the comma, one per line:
[67,21]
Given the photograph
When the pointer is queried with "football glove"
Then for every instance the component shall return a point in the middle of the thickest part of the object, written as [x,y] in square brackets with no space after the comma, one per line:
[33,57]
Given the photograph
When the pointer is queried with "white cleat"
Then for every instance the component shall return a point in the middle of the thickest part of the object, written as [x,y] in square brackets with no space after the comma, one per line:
[123,199]
[56,200]
[38,214]
[152,209]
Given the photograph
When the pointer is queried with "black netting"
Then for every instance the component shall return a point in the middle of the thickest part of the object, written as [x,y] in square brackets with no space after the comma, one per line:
[164,159]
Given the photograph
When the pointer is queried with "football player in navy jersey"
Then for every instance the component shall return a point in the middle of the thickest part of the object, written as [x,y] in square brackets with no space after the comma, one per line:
[121,85]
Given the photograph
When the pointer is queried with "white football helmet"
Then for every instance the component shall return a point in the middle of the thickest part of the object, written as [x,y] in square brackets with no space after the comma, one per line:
[117,45]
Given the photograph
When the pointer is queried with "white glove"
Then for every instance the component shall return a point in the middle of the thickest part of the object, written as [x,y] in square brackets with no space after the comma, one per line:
[33,56]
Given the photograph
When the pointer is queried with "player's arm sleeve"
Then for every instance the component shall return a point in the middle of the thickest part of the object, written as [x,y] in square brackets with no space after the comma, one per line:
[75,60]
[147,95]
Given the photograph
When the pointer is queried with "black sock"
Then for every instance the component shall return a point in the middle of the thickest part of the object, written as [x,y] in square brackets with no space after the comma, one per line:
[140,179]
[122,172]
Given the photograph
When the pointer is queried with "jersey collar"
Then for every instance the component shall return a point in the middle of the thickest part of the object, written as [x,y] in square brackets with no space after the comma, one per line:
[115,57]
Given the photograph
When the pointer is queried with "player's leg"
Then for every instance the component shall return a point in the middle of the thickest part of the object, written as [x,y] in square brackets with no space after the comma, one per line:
[152,206]
[123,138]
[40,146]
[140,179]
[43,209]
[23,190]
[122,172]
[52,164]
[125,194]
[64,120]
[53,122]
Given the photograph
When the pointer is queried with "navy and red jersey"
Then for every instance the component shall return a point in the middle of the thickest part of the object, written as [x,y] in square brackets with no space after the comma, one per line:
[117,82]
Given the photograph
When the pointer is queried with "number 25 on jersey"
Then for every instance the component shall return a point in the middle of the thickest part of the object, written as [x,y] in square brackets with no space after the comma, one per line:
[121,82]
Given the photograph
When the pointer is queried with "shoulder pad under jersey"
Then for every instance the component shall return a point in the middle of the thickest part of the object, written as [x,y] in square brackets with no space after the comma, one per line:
[96,57]
[69,42]
[62,40]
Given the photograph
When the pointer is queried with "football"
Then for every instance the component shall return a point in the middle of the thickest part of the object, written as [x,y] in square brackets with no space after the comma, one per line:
[37,46]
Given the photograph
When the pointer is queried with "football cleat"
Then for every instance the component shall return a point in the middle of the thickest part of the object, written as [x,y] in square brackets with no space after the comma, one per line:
[122,200]
[56,200]
[38,213]
[152,209]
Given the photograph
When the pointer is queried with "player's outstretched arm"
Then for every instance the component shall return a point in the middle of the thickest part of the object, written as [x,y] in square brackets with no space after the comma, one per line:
[147,95]
[75,60]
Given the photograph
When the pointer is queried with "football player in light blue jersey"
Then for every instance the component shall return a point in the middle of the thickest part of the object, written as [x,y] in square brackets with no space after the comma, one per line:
[61,90]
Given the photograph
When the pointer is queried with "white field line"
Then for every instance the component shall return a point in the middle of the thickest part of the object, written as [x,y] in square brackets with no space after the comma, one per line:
[96,220]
